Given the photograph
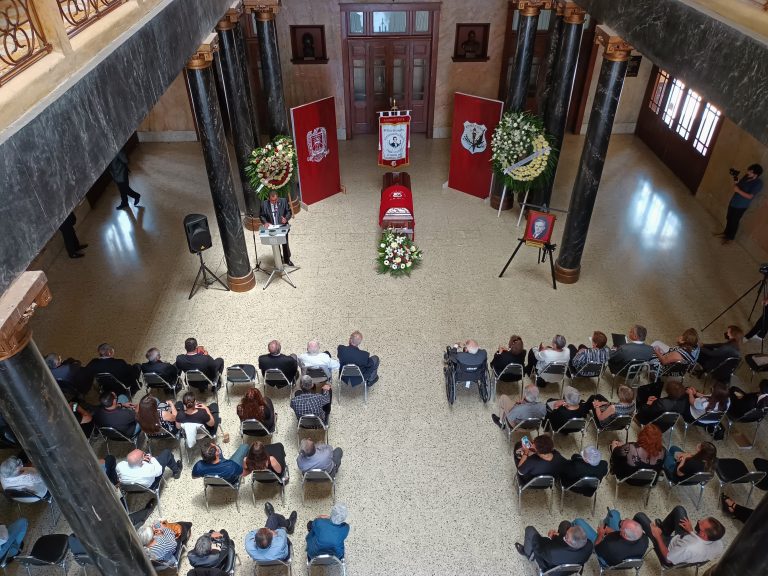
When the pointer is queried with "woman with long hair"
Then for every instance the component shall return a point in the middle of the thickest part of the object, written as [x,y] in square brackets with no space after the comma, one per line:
[680,465]
[153,415]
[265,457]
[646,452]
[700,404]
[254,406]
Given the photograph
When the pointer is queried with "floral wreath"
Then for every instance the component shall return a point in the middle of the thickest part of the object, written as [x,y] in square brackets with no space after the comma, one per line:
[398,255]
[520,141]
[272,167]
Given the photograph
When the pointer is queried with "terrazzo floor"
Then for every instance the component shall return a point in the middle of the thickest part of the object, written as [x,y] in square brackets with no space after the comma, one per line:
[428,486]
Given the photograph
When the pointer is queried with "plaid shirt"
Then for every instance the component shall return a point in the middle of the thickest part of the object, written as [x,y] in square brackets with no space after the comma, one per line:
[304,403]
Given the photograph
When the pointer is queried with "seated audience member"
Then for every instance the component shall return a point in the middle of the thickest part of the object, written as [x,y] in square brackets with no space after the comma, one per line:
[543,356]
[713,355]
[588,463]
[677,541]
[154,416]
[314,358]
[197,358]
[516,411]
[514,353]
[469,357]
[571,406]
[541,459]
[736,511]
[566,545]
[271,542]
[604,410]
[352,354]
[326,534]
[69,372]
[213,463]
[686,350]
[321,456]
[265,457]
[597,353]
[635,349]
[193,412]
[676,401]
[615,540]
[128,374]
[166,371]
[306,401]
[12,538]
[15,476]
[255,406]
[647,452]
[700,404]
[84,418]
[116,412]
[288,365]
[160,539]
[742,402]
[680,465]
[212,550]
[145,469]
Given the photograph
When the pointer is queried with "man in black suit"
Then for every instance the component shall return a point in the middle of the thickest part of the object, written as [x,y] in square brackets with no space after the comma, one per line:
[154,363]
[276,210]
[288,365]
[587,463]
[352,354]
[69,374]
[197,358]
[634,349]
[566,545]
[712,355]
[128,374]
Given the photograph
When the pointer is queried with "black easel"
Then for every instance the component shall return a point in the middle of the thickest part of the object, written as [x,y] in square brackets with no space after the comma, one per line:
[204,270]
[545,250]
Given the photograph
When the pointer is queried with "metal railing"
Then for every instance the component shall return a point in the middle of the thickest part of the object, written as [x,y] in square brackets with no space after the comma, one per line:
[22,42]
[79,14]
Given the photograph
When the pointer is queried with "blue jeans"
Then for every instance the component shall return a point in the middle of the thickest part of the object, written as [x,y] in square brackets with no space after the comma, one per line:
[16,532]
[612,520]
[239,454]
[670,464]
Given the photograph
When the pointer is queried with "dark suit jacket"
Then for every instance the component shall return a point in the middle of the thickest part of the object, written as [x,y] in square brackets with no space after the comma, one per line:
[353,355]
[287,364]
[613,549]
[712,355]
[206,364]
[646,414]
[627,352]
[551,552]
[166,371]
[120,369]
[283,211]
[577,468]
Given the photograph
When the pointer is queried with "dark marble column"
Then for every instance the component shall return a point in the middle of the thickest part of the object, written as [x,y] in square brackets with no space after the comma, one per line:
[609,85]
[556,113]
[271,72]
[242,56]
[239,116]
[528,19]
[202,89]
[745,556]
[33,406]
[553,49]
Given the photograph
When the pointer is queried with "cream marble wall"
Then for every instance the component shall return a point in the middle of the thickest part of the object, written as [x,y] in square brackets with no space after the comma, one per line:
[736,148]
[171,119]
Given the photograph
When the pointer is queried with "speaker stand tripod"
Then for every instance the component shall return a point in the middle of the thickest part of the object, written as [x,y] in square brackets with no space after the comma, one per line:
[204,270]
[258,267]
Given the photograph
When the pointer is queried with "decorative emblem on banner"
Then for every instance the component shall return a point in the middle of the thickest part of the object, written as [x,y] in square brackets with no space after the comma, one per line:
[473,138]
[394,137]
[317,144]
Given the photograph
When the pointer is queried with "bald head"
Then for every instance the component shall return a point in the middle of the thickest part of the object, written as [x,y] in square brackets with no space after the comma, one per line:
[471,347]
[631,530]
[135,458]
[274,347]
[313,347]
[355,338]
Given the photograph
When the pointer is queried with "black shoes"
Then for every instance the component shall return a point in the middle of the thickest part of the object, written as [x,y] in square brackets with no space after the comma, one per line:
[372,382]
[82,246]
[179,468]
[289,262]
[136,200]
[76,255]
[122,207]
[291,522]
[520,549]
[497,421]
[269,509]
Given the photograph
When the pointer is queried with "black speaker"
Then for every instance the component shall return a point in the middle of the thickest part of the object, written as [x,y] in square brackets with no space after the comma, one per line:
[198,233]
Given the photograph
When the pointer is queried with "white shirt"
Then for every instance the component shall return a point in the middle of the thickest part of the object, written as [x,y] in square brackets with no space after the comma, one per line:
[146,474]
[319,360]
[28,479]
[547,356]
[691,548]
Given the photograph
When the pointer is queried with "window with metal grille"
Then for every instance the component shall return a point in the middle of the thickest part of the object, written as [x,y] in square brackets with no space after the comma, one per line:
[657,96]
[690,110]
[673,102]
[709,121]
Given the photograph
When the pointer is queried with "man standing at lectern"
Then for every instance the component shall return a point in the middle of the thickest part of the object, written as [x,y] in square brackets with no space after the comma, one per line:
[276,210]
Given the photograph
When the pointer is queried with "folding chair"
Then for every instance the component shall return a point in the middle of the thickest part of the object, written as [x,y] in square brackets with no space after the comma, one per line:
[723,371]
[253,427]
[628,564]
[753,365]
[589,370]
[275,378]
[674,567]
[79,554]
[48,550]
[199,377]
[569,426]
[286,562]
[543,482]
[560,570]
[327,560]
[181,548]
[317,374]
[154,381]
[675,370]
[109,433]
[640,478]
[711,418]
[351,371]
[200,431]
[699,479]
[617,424]
[532,424]
[162,435]
[240,374]
[23,496]
[556,369]
[731,471]
[666,423]
[215,482]
[586,483]
[108,383]
[317,475]
[513,370]
[754,416]
[269,477]
[154,491]
[632,373]
[312,422]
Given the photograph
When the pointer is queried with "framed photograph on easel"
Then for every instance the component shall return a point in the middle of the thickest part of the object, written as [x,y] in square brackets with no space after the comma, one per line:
[539,227]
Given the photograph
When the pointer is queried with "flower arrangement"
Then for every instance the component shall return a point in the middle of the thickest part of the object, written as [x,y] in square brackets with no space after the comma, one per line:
[398,255]
[518,136]
[272,167]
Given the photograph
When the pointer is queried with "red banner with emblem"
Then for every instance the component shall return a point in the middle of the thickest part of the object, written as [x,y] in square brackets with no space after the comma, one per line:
[394,138]
[474,120]
[317,149]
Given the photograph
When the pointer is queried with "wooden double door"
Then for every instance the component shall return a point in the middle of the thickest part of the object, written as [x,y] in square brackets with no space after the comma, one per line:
[385,69]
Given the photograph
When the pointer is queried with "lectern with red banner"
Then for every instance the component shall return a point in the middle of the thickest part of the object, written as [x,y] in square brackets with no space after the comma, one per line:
[396,207]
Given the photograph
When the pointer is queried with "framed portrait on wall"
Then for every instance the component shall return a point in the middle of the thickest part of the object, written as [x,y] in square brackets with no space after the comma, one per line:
[539,227]
[308,45]
[471,43]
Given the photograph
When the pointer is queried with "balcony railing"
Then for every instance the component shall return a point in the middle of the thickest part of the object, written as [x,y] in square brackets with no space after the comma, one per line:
[22,42]
[78,14]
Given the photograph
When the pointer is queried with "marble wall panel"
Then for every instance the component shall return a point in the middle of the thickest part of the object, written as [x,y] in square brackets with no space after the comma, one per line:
[49,163]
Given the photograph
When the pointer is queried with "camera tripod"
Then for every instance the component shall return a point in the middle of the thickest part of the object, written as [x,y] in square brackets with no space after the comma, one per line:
[204,270]
[762,291]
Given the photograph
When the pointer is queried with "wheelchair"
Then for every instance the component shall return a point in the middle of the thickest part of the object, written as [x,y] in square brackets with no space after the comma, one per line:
[463,368]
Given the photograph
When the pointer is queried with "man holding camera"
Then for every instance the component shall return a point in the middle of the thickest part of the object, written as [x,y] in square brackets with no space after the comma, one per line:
[744,190]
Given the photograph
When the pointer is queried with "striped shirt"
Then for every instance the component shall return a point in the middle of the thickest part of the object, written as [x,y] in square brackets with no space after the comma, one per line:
[163,546]
[587,355]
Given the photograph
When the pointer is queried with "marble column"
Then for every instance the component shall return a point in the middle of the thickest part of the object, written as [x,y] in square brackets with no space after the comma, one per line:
[745,556]
[242,56]
[556,113]
[528,19]
[615,56]
[239,116]
[34,407]
[553,49]
[202,88]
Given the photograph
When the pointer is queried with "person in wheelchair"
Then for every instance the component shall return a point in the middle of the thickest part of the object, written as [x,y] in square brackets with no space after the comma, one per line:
[469,361]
